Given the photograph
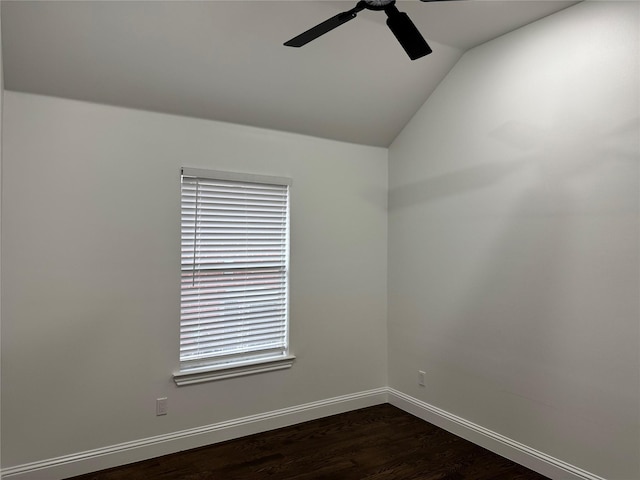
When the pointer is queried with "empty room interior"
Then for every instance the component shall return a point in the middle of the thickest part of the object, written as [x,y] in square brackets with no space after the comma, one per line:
[459,235]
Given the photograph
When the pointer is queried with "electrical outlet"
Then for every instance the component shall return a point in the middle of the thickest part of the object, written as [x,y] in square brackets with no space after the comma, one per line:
[161,406]
[421,380]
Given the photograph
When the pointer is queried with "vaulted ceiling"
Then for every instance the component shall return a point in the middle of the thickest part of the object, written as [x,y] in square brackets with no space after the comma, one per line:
[224,60]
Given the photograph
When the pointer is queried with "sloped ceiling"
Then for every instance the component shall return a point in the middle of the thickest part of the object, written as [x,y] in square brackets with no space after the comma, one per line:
[224,60]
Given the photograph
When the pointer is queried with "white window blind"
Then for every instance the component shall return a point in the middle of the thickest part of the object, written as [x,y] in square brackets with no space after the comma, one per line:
[234,287]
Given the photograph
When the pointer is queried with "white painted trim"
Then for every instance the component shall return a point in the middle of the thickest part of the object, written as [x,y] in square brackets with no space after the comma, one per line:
[128,452]
[220,373]
[235,176]
[495,442]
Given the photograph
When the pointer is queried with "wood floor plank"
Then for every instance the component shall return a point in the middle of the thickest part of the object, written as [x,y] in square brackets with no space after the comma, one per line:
[375,443]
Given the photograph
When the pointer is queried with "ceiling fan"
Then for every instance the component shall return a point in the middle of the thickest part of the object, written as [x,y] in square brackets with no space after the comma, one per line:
[398,22]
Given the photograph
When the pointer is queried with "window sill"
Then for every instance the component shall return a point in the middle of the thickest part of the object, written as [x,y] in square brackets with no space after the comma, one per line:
[211,374]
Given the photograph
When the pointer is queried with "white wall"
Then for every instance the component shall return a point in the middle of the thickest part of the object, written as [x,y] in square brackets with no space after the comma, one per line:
[1,98]
[513,239]
[90,273]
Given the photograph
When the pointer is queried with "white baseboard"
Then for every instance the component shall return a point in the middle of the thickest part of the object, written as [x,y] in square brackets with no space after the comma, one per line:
[504,446]
[93,460]
[129,452]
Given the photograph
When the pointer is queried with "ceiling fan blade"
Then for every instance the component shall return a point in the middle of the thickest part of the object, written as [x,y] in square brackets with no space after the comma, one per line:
[324,27]
[407,34]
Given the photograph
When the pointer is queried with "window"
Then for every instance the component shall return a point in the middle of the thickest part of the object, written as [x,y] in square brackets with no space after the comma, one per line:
[234,275]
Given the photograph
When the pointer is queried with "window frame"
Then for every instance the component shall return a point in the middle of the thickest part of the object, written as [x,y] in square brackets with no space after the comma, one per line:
[186,374]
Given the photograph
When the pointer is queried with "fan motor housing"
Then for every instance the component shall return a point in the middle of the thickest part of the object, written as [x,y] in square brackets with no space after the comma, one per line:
[377,4]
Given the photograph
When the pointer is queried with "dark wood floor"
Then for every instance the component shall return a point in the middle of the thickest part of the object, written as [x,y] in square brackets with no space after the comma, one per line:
[374,443]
